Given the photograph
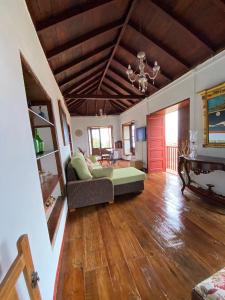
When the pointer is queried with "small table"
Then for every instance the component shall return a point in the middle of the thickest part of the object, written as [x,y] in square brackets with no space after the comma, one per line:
[201,165]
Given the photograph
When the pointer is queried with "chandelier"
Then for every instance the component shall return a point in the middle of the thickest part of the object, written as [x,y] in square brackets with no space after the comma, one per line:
[101,114]
[142,77]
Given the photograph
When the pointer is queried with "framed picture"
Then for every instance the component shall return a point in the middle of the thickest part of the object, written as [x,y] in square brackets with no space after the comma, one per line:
[64,125]
[214,116]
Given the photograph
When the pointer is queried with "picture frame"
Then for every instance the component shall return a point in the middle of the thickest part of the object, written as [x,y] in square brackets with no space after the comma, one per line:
[214,116]
[64,125]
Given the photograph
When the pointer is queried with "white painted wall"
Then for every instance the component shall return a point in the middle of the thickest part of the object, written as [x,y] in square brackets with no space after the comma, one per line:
[22,209]
[206,75]
[84,122]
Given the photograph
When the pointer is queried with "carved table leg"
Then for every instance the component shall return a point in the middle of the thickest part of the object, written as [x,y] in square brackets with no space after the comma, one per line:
[180,166]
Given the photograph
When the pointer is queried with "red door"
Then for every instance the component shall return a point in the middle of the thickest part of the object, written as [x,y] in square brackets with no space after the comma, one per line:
[156,142]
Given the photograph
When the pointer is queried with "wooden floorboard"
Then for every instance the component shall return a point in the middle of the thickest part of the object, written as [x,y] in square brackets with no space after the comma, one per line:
[154,245]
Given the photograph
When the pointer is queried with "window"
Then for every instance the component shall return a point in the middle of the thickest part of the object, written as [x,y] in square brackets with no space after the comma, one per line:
[100,138]
[129,138]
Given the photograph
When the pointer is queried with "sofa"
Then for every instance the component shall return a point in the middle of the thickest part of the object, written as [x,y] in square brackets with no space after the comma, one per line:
[84,192]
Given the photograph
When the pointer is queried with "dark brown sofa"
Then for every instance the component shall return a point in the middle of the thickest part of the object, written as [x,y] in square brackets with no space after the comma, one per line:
[81,193]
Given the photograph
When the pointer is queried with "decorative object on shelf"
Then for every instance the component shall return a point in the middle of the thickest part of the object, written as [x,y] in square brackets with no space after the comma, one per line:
[214,116]
[78,132]
[41,113]
[38,141]
[101,114]
[142,77]
[50,201]
[193,143]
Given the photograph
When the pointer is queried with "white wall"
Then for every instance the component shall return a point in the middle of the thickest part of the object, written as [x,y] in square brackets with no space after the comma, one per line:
[206,75]
[22,208]
[84,122]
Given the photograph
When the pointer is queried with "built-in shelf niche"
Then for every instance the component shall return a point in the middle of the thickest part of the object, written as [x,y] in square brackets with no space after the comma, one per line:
[49,162]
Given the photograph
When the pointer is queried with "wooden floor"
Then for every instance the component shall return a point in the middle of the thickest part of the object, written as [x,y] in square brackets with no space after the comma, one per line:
[155,245]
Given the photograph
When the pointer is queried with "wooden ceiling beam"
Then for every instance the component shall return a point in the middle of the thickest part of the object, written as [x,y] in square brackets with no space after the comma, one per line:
[76,62]
[134,54]
[89,89]
[86,80]
[69,13]
[78,102]
[131,6]
[220,4]
[83,81]
[104,97]
[183,24]
[84,38]
[122,83]
[109,82]
[159,44]
[91,83]
[108,89]
[116,106]
[97,65]
[77,106]
[112,89]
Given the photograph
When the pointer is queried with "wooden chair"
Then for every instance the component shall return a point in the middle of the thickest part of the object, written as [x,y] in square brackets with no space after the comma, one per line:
[22,263]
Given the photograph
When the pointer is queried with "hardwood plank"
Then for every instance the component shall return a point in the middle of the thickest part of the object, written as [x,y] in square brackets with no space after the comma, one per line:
[71,285]
[155,245]
[95,255]
[99,285]
[147,284]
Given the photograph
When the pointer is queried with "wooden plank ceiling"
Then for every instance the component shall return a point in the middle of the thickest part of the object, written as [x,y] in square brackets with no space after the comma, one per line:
[90,43]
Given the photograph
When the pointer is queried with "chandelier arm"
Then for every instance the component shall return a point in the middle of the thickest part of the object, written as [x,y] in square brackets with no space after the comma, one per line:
[152,77]
[135,77]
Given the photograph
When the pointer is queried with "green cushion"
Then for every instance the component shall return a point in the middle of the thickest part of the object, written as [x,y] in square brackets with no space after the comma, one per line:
[127,175]
[102,172]
[93,158]
[97,166]
[79,164]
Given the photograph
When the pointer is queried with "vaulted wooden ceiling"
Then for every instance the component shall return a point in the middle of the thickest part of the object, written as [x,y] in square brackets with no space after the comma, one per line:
[90,43]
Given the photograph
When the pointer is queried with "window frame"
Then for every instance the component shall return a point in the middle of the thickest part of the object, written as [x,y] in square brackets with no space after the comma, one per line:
[131,137]
[90,138]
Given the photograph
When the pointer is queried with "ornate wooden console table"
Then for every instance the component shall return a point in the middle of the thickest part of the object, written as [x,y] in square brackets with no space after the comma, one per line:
[200,165]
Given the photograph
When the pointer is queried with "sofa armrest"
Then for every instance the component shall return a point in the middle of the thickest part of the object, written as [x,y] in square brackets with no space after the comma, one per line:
[82,193]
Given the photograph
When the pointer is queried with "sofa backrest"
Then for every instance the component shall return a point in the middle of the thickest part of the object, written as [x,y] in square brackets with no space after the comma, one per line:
[70,172]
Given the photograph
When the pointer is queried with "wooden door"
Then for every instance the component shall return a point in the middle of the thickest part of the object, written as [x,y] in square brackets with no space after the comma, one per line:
[156,142]
[183,126]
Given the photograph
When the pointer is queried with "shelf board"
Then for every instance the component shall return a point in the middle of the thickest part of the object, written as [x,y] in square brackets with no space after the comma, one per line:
[46,153]
[54,217]
[49,185]
[38,121]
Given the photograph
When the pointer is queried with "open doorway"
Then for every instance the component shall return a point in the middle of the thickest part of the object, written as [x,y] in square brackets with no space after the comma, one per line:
[171,139]
[167,131]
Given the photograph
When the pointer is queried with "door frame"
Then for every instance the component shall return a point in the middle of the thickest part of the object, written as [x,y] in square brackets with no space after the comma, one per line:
[164,109]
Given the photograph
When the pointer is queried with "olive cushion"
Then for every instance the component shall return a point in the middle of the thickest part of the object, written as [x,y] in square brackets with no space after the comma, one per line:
[79,164]
[127,175]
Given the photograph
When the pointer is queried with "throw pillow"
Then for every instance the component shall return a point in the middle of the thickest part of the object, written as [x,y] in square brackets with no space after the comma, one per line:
[89,164]
[81,168]
[102,172]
